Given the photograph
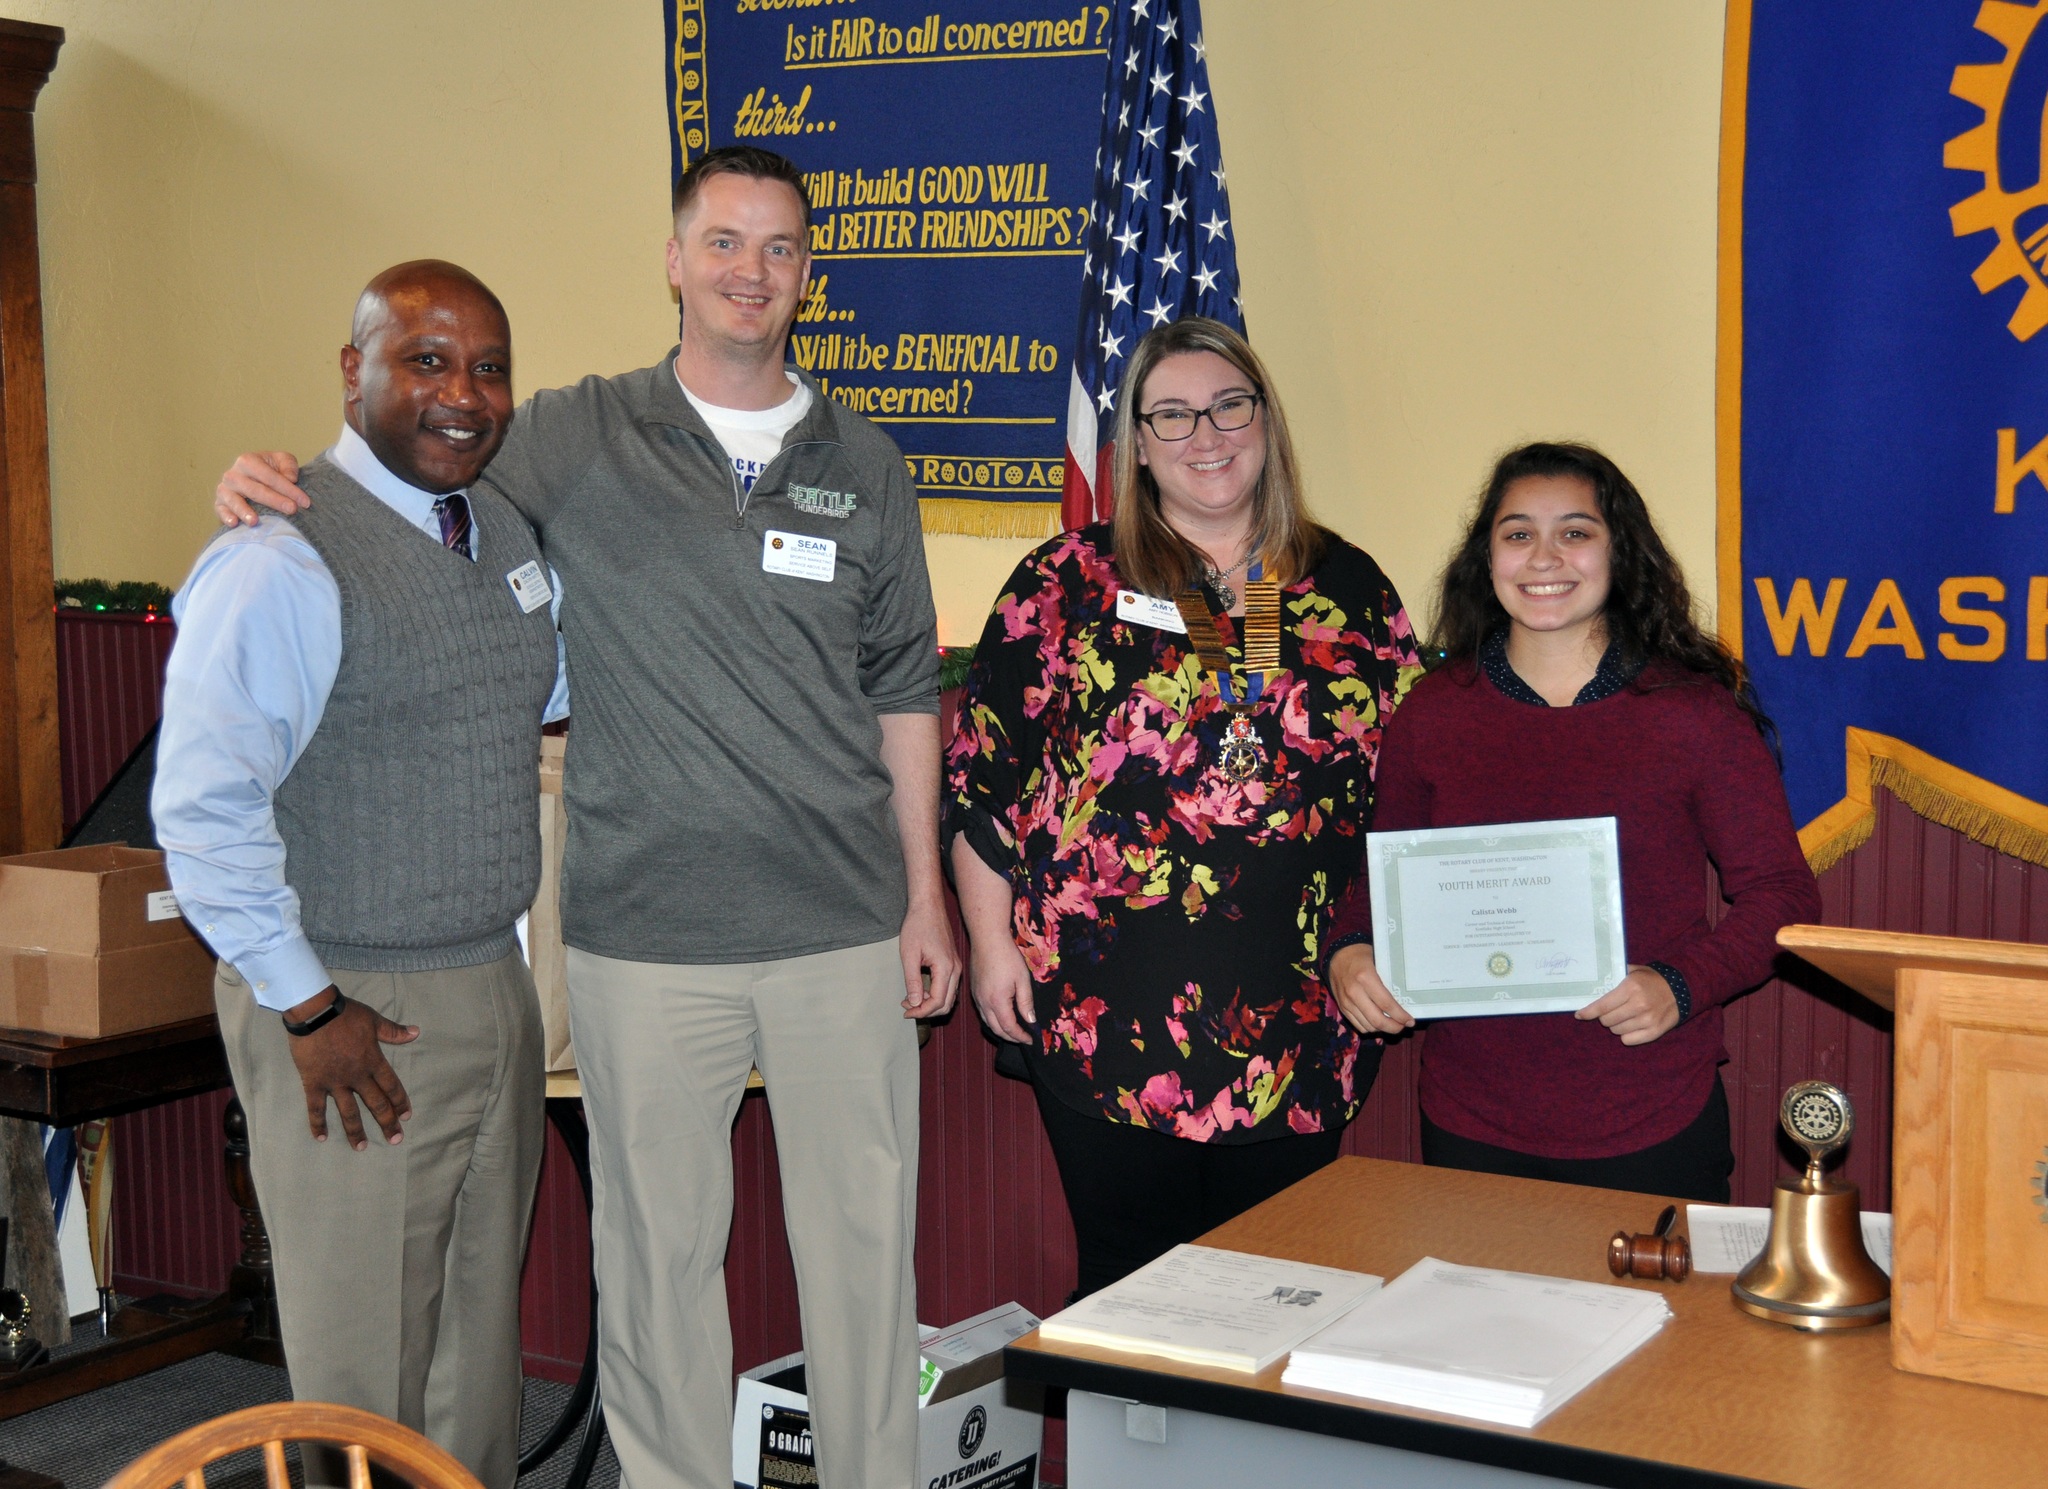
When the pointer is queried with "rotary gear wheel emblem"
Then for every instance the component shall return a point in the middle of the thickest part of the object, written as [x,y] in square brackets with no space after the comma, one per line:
[2006,150]
[1815,1117]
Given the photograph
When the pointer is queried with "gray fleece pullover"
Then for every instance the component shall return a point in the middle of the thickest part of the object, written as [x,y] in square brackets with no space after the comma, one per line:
[726,793]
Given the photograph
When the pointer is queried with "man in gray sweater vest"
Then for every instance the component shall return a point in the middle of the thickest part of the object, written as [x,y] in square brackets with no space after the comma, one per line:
[347,794]
[751,875]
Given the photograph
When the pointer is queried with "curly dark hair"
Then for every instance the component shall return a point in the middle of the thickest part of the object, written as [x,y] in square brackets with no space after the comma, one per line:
[1649,610]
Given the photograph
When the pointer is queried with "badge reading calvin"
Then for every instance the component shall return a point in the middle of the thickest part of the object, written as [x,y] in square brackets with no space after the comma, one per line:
[529,587]
[799,556]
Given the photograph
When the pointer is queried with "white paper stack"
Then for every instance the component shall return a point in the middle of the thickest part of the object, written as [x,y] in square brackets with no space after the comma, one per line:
[1207,1307]
[1504,1347]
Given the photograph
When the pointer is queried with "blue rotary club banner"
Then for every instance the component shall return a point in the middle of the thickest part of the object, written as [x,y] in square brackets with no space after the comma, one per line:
[950,155]
[1883,407]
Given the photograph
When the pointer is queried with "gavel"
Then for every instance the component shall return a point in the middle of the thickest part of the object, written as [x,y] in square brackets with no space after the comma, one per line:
[1654,1256]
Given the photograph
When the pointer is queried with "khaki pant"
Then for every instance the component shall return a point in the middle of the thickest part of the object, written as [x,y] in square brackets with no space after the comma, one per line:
[398,1267]
[663,1052]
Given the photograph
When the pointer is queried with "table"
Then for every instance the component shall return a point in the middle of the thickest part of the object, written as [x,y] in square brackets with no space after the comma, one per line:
[1717,1398]
[63,1081]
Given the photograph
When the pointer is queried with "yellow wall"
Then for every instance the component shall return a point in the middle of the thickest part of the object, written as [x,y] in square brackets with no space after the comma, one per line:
[1461,223]
[1467,223]
[219,180]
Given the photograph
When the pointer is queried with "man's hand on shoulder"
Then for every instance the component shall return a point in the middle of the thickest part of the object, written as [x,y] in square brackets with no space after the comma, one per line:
[258,478]
[342,1060]
[931,959]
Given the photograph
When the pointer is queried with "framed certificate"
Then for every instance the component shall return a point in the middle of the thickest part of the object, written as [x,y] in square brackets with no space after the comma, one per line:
[1521,917]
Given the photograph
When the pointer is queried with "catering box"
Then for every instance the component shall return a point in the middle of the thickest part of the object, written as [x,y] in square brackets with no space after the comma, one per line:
[975,1430]
[91,944]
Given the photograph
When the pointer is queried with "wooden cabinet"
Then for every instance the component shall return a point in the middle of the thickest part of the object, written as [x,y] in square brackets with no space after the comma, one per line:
[1969,1148]
[30,803]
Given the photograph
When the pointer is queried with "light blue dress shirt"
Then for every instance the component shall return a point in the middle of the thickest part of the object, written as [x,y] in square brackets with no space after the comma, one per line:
[259,645]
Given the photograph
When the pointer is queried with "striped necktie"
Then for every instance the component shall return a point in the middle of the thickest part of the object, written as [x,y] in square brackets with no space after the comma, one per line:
[453,510]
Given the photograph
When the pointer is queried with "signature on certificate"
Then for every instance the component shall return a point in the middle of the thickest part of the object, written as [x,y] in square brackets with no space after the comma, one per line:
[1556,963]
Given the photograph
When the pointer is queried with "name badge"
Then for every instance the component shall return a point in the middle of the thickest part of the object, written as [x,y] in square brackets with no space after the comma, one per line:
[799,555]
[1149,610]
[530,587]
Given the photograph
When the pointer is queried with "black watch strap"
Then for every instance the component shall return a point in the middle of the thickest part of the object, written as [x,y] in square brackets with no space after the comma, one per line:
[319,1020]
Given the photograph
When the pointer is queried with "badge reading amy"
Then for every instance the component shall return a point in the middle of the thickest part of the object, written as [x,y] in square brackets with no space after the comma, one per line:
[1149,610]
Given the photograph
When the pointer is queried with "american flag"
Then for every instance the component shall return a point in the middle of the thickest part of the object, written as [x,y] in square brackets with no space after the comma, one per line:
[1158,242]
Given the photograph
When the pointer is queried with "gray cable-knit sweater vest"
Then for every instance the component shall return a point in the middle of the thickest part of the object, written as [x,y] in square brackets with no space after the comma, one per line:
[411,822]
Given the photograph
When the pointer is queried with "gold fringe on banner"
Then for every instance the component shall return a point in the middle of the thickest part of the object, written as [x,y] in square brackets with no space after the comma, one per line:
[1836,833]
[978,519]
[1989,814]
[1973,819]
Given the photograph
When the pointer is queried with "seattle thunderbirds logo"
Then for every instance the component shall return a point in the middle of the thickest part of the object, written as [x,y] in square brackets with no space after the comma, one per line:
[2007,151]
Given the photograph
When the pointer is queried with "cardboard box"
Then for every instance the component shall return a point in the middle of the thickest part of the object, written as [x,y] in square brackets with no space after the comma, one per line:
[975,1430]
[91,944]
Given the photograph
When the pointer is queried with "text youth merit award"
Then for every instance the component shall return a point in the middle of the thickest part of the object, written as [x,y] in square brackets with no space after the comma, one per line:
[1520,917]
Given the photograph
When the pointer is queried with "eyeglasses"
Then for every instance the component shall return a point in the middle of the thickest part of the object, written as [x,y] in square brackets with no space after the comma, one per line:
[1225,416]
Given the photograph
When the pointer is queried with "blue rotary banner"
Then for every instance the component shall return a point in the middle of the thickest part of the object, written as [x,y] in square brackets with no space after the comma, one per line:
[1884,407]
[951,156]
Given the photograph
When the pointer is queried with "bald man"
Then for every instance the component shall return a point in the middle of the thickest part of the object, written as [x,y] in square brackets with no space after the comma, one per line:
[346,794]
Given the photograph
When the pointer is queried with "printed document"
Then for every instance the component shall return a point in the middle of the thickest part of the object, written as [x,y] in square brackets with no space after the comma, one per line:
[1202,1306]
[1516,917]
[1727,1238]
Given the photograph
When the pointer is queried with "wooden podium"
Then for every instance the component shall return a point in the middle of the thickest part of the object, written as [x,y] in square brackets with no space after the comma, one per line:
[1969,1145]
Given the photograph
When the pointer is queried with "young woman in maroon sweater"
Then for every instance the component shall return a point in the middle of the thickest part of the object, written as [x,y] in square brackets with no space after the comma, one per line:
[1577,684]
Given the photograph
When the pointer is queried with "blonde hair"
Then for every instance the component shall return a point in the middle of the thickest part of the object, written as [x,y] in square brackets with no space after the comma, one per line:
[1150,555]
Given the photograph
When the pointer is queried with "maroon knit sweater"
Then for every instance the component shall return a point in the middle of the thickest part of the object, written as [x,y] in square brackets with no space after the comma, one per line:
[1691,783]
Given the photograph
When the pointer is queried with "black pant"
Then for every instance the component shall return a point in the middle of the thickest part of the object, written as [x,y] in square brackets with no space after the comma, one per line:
[1693,1165]
[1136,1194]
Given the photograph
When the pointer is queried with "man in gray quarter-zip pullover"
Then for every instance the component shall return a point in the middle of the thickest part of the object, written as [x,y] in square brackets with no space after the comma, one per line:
[751,875]
[347,795]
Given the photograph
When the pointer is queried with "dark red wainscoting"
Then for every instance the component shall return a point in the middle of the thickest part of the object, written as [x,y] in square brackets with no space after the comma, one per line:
[1913,875]
[110,689]
[554,1292]
[992,1226]
[175,1229]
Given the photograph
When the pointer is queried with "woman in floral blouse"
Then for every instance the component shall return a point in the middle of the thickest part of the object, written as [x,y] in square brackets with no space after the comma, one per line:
[1158,790]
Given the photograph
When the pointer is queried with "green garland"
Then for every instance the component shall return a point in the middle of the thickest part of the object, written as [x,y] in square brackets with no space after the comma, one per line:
[953,664]
[125,597]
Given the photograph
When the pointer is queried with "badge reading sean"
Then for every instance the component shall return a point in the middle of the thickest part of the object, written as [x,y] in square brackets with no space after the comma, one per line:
[799,556]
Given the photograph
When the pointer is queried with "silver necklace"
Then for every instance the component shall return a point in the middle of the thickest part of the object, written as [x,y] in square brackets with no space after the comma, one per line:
[1217,579]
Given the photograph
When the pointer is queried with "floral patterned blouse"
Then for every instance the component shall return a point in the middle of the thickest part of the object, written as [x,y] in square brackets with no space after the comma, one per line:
[1173,919]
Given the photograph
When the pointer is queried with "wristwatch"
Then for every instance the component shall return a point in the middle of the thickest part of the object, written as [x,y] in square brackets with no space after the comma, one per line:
[319,1020]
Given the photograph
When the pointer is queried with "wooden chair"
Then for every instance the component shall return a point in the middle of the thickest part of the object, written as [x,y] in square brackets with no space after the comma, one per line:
[364,1437]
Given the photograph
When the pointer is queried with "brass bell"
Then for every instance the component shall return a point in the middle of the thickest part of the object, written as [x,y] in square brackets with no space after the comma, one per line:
[1814,1272]
[19,1349]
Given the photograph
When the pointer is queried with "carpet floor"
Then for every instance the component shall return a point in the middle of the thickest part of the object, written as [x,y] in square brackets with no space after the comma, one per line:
[85,1441]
